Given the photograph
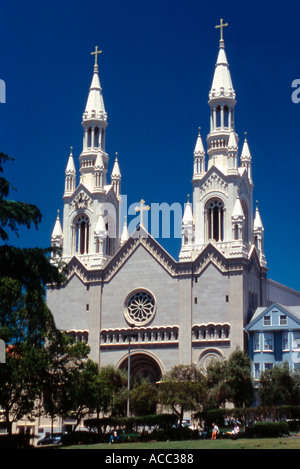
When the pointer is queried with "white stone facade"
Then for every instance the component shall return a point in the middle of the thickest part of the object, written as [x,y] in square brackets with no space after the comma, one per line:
[177,311]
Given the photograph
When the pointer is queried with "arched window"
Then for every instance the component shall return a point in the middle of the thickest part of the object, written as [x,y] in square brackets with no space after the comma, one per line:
[82,234]
[215,220]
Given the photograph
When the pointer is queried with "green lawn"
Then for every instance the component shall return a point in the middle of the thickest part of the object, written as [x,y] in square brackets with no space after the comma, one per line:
[257,443]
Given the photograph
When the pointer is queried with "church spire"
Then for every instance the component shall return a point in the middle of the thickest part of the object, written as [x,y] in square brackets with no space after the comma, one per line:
[199,158]
[95,104]
[99,173]
[94,122]
[258,235]
[222,102]
[57,234]
[232,154]
[70,175]
[222,83]
[116,176]
[246,158]
[125,233]
[187,231]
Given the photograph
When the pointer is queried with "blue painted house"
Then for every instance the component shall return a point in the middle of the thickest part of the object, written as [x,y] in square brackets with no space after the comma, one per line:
[274,338]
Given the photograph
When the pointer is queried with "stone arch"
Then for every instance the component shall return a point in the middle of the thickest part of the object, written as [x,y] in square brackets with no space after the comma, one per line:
[82,233]
[209,355]
[214,213]
[142,365]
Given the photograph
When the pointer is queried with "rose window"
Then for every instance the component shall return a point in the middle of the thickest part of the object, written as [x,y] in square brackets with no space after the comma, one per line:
[140,307]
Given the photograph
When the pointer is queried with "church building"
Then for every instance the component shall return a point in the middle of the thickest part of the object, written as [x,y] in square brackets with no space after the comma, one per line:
[124,286]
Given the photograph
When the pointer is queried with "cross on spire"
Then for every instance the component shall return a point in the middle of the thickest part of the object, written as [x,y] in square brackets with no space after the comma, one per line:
[142,208]
[96,54]
[221,26]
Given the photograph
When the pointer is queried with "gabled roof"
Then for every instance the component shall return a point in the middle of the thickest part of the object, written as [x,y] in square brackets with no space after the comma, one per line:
[292,311]
[210,255]
[214,169]
[140,238]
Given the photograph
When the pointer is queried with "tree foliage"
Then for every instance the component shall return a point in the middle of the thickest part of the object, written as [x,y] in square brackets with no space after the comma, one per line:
[144,398]
[13,213]
[278,386]
[183,389]
[239,380]
[82,391]
[230,381]
[114,391]
[63,355]
[30,266]
[25,320]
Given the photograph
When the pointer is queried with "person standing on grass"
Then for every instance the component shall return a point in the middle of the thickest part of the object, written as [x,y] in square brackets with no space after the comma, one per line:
[214,432]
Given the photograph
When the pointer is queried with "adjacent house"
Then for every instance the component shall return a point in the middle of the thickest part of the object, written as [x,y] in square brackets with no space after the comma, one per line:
[274,338]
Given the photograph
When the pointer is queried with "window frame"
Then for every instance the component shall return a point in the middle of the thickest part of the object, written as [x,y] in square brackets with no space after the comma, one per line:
[285,337]
[82,234]
[295,333]
[268,320]
[215,219]
[257,370]
[268,336]
[256,340]
[282,318]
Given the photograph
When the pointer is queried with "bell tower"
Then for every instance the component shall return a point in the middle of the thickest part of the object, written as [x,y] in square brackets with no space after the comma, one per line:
[91,209]
[222,210]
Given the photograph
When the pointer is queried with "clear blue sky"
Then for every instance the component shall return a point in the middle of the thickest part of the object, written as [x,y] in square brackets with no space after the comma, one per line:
[156,70]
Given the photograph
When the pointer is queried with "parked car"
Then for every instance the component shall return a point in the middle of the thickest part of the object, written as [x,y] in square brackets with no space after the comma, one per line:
[52,439]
